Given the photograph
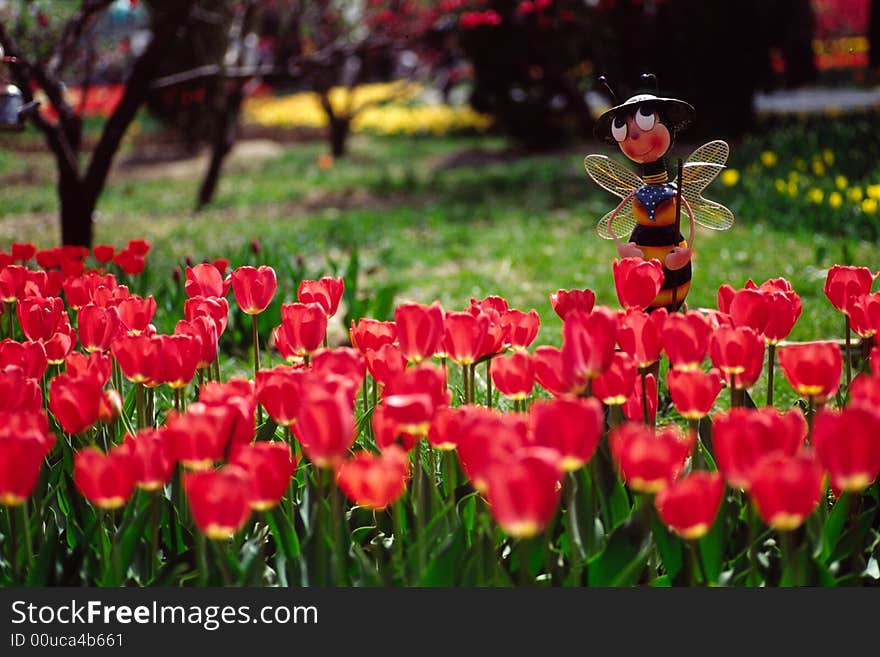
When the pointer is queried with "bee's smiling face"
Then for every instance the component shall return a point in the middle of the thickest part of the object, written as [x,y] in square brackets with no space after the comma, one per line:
[641,136]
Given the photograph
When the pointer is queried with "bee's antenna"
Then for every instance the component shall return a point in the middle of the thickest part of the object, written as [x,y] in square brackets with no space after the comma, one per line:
[604,82]
[652,79]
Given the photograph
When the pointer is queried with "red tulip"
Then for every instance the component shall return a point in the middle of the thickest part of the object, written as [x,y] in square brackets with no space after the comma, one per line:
[693,392]
[104,253]
[387,431]
[844,283]
[443,434]
[270,466]
[205,330]
[72,267]
[514,376]
[80,290]
[215,308]
[420,330]
[326,292]
[786,489]
[864,313]
[564,301]
[138,357]
[633,409]
[39,318]
[812,368]
[553,374]
[12,280]
[200,436]
[75,402]
[29,357]
[588,342]
[686,339]
[23,251]
[520,329]
[463,336]
[371,334]
[374,481]
[96,365]
[21,458]
[325,425]
[783,309]
[865,391]
[742,437]
[304,327]
[254,288]
[220,500]
[19,393]
[179,357]
[639,334]
[637,282]
[486,437]
[749,307]
[739,353]
[570,427]
[649,460]
[848,445]
[385,363]
[98,327]
[523,491]
[489,304]
[136,313]
[342,362]
[106,480]
[61,343]
[495,337]
[615,384]
[237,397]
[151,456]
[413,396]
[689,506]
[205,280]
[278,391]
[139,247]
[49,258]
[129,262]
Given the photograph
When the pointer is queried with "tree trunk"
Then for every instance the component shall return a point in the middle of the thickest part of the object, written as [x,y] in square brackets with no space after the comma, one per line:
[224,138]
[76,212]
[339,129]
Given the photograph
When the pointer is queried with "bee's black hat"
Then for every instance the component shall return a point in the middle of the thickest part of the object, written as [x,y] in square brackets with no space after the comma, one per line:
[676,114]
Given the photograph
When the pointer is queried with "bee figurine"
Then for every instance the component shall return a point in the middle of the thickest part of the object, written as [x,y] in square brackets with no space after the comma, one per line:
[645,127]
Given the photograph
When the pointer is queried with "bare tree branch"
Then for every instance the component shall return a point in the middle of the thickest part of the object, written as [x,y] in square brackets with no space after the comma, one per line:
[73,30]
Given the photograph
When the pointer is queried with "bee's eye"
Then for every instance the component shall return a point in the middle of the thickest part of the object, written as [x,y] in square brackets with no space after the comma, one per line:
[618,129]
[645,119]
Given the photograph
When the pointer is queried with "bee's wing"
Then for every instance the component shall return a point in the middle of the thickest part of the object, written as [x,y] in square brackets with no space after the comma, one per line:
[708,213]
[611,175]
[701,168]
[623,223]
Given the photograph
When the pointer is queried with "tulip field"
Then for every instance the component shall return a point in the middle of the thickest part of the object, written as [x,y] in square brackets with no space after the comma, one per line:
[445,447]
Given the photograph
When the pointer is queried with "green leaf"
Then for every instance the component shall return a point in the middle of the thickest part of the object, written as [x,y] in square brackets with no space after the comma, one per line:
[284,533]
[670,547]
[834,525]
[445,568]
[624,556]
[40,571]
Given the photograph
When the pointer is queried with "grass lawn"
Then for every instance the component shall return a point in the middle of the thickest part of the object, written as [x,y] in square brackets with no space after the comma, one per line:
[436,218]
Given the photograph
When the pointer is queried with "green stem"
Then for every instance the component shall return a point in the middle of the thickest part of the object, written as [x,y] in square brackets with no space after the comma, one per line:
[810,413]
[318,538]
[364,396]
[643,373]
[464,384]
[202,560]
[13,542]
[255,334]
[10,311]
[28,542]
[699,457]
[220,556]
[399,563]
[141,405]
[153,561]
[340,566]
[489,382]
[698,561]
[771,366]
[846,356]
[575,541]
[105,555]
[733,390]
[522,554]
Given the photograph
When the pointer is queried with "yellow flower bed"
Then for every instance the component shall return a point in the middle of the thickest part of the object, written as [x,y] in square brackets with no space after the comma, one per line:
[382,108]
